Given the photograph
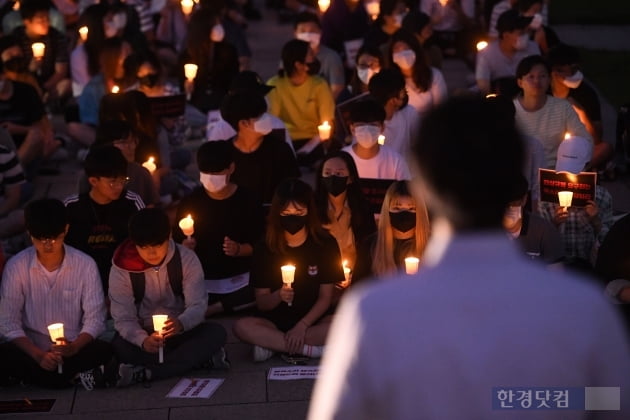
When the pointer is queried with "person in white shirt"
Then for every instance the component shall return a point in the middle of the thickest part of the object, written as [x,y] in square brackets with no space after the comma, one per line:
[373,160]
[479,320]
[49,283]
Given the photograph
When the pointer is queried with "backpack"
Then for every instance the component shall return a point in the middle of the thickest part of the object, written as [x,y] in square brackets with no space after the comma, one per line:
[175,278]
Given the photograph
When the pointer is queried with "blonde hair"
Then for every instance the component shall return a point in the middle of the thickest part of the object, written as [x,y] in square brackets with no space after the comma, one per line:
[383,255]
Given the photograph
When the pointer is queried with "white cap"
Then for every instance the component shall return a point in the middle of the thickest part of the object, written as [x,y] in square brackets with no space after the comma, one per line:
[573,154]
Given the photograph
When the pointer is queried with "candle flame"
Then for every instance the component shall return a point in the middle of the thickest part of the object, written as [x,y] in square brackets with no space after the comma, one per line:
[381,139]
[115,89]
[481,45]
[491,95]
[567,135]
[323,5]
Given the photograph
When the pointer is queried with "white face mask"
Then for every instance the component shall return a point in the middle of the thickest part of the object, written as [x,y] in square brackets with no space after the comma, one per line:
[213,183]
[263,125]
[512,215]
[366,135]
[366,74]
[536,22]
[521,42]
[405,59]
[312,38]
[218,33]
[574,81]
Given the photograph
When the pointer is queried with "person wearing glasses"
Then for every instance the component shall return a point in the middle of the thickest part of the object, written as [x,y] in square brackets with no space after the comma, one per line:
[51,282]
[98,219]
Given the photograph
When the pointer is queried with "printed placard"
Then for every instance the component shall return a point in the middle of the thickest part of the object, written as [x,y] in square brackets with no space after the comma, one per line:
[289,373]
[195,388]
[582,185]
[374,191]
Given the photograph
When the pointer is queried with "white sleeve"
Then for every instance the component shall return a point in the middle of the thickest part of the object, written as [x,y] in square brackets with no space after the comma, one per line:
[439,92]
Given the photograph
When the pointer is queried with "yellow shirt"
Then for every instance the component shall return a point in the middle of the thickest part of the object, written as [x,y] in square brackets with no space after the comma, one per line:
[302,108]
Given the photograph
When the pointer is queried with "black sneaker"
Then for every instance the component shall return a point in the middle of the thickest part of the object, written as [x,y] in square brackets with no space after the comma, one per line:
[219,360]
[93,378]
[130,374]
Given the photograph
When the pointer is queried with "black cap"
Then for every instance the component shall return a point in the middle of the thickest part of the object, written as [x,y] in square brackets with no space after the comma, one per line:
[247,81]
[512,20]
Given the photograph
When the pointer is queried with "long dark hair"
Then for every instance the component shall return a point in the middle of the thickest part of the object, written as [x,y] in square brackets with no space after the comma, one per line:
[421,74]
[291,190]
[355,197]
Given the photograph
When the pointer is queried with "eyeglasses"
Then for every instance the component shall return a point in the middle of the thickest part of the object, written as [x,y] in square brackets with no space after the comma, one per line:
[117,182]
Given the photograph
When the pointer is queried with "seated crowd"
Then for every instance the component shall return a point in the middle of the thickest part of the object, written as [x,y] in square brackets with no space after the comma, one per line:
[158,227]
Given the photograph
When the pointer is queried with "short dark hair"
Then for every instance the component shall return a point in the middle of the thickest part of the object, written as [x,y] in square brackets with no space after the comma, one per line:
[415,21]
[242,106]
[149,226]
[511,20]
[306,17]
[215,156]
[45,218]
[386,84]
[112,131]
[29,8]
[105,161]
[367,110]
[562,55]
[527,64]
[292,51]
[469,167]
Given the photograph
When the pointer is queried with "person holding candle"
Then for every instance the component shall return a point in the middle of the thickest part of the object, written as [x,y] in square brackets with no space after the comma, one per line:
[403,231]
[52,68]
[541,115]
[582,229]
[152,275]
[98,219]
[301,99]
[51,282]
[444,330]
[227,223]
[293,238]
[341,205]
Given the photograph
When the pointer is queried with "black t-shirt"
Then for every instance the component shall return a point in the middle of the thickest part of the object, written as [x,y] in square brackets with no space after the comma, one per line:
[238,217]
[24,107]
[263,169]
[316,263]
[586,96]
[97,229]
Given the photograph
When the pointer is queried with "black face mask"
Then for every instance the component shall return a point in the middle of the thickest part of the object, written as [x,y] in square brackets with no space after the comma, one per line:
[150,80]
[335,184]
[403,221]
[292,223]
[16,64]
[314,67]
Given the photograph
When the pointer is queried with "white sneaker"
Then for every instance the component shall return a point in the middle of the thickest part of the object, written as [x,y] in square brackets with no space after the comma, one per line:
[261,354]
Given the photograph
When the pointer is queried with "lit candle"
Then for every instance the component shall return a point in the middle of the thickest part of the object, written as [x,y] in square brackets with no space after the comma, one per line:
[288,275]
[16,6]
[190,71]
[115,89]
[83,32]
[323,5]
[481,45]
[324,130]
[381,139]
[187,225]
[56,335]
[150,164]
[158,326]
[187,6]
[491,95]
[38,49]
[567,135]
[565,198]
[411,265]
[347,273]
[444,2]
[373,8]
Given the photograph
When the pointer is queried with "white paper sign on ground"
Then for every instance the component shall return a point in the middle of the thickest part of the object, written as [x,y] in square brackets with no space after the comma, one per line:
[194,388]
[288,373]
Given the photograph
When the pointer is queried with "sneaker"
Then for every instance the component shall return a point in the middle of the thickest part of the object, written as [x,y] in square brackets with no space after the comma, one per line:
[219,360]
[261,354]
[93,378]
[130,374]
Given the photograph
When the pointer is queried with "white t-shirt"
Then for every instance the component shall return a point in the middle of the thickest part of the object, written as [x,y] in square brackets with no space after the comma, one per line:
[401,129]
[424,101]
[387,164]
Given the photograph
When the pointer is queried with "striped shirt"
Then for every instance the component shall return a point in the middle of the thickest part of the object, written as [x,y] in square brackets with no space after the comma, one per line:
[11,172]
[29,301]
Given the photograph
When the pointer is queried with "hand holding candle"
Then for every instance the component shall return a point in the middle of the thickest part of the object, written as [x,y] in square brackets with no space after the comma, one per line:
[347,273]
[57,337]
[158,326]
[565,198]
[324,130]
[288,275]
[38,50]
[150,165]
[411,265]
[187,225]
